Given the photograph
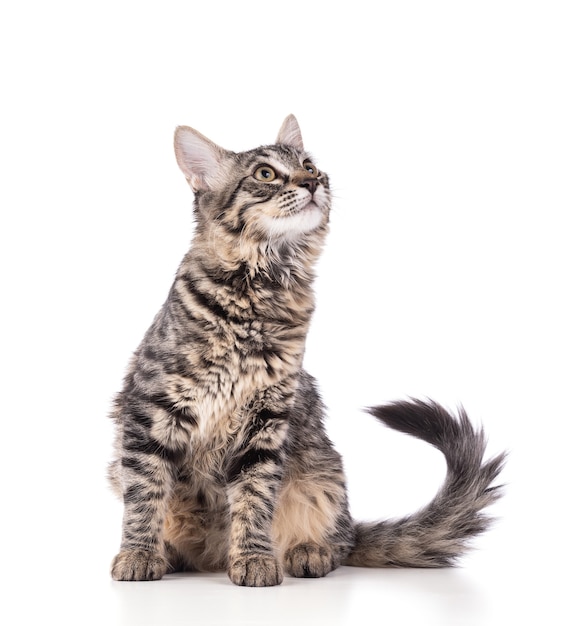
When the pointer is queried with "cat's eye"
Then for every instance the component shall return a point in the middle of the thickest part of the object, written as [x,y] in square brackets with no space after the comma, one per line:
[310,168]
[265,174]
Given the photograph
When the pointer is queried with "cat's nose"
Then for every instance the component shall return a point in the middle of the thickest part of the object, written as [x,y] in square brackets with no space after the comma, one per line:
[310,184]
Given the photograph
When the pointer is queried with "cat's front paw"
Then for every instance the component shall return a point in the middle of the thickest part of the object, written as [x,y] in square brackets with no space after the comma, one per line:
[138,565]
[255,570]
[308,560]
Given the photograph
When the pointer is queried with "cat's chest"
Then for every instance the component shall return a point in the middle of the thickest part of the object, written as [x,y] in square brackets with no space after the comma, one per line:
[232,365]
[266,351]
[248,357]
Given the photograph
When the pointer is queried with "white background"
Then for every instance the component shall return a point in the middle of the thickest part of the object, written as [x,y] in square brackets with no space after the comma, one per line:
[451,134]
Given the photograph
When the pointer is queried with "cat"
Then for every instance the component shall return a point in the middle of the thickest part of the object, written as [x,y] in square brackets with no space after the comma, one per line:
[221,456]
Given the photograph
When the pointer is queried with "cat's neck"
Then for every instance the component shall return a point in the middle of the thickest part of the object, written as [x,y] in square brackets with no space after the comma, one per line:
[290,264]
[259,280]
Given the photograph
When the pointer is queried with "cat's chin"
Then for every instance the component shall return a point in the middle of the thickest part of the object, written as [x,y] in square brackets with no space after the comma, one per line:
[294,224]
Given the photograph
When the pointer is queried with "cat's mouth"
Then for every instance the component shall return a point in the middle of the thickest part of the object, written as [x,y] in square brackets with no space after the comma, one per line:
[307,205]
[296,220]
[310,205]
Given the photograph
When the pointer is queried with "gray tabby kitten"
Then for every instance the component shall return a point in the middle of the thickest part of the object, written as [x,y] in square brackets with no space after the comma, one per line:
[221,457]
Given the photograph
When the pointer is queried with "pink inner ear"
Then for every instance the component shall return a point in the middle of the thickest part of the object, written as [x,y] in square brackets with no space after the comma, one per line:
[290,133]
[197,157]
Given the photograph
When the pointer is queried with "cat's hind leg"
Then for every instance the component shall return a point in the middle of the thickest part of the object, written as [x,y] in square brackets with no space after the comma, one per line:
[312,526]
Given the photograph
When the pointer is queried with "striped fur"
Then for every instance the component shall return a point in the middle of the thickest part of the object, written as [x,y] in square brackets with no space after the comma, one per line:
[221,456]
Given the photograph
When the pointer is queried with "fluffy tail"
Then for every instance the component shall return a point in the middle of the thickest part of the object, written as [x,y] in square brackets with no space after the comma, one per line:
[438,534]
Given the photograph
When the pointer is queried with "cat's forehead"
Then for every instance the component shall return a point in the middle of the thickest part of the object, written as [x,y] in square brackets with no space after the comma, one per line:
[284,158]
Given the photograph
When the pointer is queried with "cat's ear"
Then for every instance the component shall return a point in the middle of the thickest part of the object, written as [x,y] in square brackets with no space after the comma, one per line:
[198,157]
[290,134]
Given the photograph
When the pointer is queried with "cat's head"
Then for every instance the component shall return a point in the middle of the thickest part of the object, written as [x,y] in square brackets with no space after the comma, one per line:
[272,193]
